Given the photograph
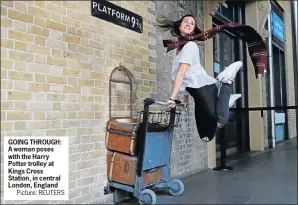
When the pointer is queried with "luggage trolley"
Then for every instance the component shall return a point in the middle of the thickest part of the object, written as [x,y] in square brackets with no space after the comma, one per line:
[153,152]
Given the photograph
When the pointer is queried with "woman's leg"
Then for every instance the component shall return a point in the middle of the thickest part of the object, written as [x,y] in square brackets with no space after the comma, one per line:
[223,104]
[211,109]
[205,99]
[226,78]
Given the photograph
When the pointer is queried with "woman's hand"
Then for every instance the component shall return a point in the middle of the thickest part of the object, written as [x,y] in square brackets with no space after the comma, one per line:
[171,103]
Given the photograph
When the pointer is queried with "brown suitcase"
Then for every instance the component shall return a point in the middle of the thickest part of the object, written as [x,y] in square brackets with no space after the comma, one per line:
[121,135]
[152,176]
[121,168]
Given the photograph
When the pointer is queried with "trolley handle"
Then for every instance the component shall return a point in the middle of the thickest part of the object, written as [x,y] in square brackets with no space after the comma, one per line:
[150,101]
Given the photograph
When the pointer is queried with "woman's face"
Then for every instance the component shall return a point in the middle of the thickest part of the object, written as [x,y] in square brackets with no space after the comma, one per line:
[187,26]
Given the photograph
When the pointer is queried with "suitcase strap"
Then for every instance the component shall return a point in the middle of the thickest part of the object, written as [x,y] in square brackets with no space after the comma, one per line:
[132,135]
[111,166]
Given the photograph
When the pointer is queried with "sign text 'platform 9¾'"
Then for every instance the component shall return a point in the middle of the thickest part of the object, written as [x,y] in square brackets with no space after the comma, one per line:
[112,13]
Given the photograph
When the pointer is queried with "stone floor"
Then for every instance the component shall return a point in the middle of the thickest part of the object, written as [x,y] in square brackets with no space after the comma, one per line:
[269,177]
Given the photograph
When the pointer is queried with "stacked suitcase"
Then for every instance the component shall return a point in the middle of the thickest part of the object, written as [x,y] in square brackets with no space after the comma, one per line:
[121,145]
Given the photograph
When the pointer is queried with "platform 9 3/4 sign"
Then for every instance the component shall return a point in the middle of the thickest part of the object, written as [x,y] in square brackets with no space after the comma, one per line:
[110,12]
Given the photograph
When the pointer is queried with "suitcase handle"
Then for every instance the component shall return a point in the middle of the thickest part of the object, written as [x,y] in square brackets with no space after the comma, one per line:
[152,170]
[150,101]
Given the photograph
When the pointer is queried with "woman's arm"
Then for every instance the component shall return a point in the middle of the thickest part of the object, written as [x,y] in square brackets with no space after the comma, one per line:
[183,67]
[188,53]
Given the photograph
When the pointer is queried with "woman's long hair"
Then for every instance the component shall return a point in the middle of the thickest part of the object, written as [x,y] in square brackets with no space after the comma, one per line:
[174,26]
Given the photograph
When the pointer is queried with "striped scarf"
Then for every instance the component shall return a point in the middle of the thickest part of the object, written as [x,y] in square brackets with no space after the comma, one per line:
[255,43]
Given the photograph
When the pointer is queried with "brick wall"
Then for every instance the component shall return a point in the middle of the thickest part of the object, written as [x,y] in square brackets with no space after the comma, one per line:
[56,61]
[289,70]
[266,114]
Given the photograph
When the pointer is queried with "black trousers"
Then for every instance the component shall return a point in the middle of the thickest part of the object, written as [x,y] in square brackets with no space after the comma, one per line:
[210,108]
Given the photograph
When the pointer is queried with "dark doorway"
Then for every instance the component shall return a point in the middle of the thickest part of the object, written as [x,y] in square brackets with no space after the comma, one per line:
[279,93]
[228,49]
[279,76]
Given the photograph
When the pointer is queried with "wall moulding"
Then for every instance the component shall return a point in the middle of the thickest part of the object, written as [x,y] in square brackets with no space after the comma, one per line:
[263,12]
[214,5]
[264,8]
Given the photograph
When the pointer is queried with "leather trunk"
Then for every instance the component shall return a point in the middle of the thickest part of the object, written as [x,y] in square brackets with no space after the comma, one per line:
[121,168]
[121,135]
[152,176]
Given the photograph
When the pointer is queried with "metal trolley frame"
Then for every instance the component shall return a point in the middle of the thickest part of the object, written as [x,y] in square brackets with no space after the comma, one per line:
[154,143]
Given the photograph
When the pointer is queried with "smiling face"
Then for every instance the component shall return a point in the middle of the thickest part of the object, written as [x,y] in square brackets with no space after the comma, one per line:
[187,26]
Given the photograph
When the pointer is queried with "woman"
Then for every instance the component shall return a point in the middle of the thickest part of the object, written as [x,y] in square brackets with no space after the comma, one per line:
[211,106]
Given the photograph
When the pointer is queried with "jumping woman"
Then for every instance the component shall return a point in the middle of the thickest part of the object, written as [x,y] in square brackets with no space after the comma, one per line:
[212,96]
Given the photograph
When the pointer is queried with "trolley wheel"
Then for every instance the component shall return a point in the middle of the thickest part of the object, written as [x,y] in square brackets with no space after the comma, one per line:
[176,187]
[149,197]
